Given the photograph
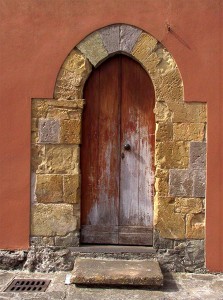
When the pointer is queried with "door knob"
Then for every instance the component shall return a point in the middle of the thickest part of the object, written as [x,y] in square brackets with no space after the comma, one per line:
[127,147]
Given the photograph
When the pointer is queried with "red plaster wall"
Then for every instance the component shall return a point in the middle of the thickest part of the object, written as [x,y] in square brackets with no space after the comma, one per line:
[35,38]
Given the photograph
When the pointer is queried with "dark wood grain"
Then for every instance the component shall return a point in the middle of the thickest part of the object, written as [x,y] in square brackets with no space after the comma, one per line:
[117,185]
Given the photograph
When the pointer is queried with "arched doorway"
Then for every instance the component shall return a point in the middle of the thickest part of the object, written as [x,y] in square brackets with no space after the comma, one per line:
[117,155]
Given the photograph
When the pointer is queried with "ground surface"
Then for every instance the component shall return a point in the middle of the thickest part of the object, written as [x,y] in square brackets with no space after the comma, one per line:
[176,286]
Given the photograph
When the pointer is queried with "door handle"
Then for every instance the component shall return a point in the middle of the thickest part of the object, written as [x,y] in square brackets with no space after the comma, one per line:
[127,147]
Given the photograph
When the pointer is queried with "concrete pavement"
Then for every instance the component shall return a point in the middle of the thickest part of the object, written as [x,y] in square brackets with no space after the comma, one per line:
[176,286]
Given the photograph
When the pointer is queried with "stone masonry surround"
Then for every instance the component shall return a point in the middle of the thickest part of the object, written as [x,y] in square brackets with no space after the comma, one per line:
[180,144]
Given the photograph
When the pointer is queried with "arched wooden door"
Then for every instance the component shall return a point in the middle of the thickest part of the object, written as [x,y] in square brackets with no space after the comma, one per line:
[117,155]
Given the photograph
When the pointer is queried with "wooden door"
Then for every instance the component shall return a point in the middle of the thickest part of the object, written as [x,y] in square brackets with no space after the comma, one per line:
[117,155]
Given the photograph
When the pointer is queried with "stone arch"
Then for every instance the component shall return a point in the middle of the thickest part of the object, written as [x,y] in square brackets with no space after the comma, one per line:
[179,138]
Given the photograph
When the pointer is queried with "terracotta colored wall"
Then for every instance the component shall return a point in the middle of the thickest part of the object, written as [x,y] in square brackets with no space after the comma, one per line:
[35,38]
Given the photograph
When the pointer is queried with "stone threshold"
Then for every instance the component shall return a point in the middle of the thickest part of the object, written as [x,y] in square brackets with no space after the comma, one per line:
[91,271]
[112,249]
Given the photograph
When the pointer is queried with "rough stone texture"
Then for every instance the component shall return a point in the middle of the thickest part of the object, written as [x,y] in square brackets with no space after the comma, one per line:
[72,76]
[52,219]
[10,260]
[62,159]
[44,259]
[92,47]
[187,256]
[188,205]
[70,240]
[37,160]
[188,131]
[164,131]
[181,183]
[70,132]
[172,155]
[195,226]
[110,38]
[128,37]
[168,223]
[143,49]
[198,155]
[49,130]
[117,272]
[188,112]
[71,188]
[49,188]
[162,182]
[162,112]
[187,183]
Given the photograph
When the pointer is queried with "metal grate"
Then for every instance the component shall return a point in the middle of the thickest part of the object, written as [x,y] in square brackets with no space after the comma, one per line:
[28,285]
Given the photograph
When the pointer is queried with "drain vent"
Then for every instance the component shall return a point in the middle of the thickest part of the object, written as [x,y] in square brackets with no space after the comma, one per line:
[28,285]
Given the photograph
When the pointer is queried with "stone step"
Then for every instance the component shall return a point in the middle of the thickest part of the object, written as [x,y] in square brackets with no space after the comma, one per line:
[92,271]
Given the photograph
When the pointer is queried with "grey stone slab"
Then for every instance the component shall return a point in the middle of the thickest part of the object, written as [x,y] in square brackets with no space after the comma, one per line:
[110,38]
[49,130]
[187,183]
[199,183]
[128,37]
[117,272]
[198,155]
[181,183]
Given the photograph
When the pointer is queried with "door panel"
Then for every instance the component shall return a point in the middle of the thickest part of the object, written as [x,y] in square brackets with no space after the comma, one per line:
[117,184]
[100,156]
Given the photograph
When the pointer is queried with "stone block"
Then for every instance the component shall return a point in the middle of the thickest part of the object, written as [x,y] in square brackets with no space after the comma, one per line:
[128,37]
[70,132]
[181,183]
[143,48]
[188,205]
[68,85]
[195,224]
[169,224]
[58,113]
[198,155]
[49,130]
[180,155]
[62,159]
[117,272]
[77,63]
[188,112]
[162,182]
[92,47]
[69,240]
[168,83]
[71,188]
[164,131]
[38,158]
[49,188]
[187,183]
[199,186]
[171,155]
[188,131]
[162,112]
[39,108]
[34,124]
[52,219]
[110,38]
[72,76]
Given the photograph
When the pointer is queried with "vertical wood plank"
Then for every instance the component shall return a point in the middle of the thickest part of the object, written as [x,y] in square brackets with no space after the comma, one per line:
[137,127]
[100,155]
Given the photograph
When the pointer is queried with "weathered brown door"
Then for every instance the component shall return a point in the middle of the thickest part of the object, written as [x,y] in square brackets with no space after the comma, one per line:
[117,155]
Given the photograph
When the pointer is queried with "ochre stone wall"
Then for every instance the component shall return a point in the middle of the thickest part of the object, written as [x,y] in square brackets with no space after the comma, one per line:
[180,139]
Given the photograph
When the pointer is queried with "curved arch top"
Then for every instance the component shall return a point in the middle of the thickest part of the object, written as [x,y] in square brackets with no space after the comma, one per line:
[126,39]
